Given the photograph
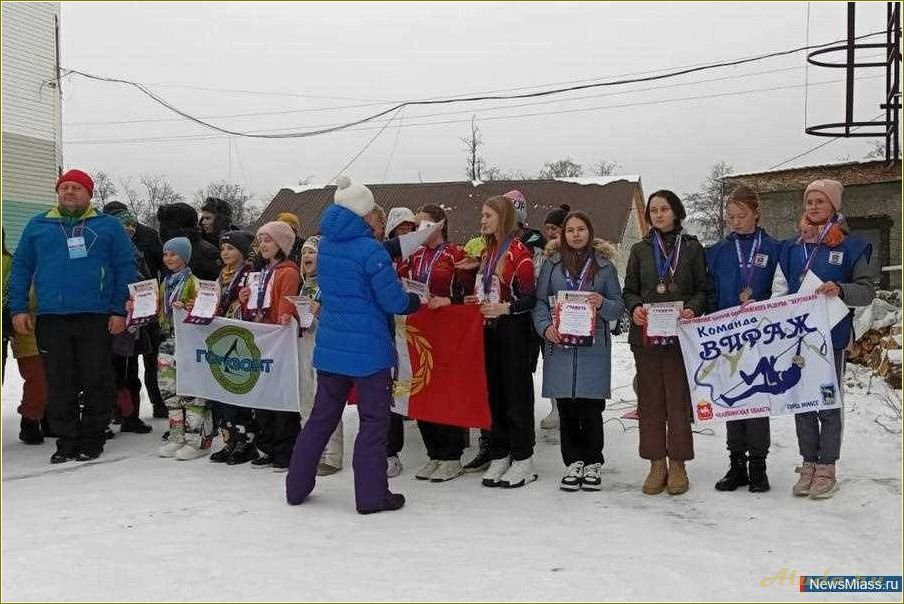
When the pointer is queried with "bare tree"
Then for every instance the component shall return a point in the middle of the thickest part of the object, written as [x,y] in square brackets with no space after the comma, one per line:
[605,167]
[561,168]
[705,207]
[152,192]
[876,151]
[104,187]
[475,163]
[244,209]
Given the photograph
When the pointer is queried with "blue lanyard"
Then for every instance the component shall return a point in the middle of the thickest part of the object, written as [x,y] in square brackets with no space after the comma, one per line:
[747,268]
[665,265]
[579,284]
[810,256]
[262,291]
[490,267]
[424,275]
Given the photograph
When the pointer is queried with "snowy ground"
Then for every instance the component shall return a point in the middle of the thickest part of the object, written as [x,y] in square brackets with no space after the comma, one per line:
[132,526]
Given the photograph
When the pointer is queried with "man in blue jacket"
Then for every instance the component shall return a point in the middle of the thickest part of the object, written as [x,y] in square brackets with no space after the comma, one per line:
[80,263]
[355,346]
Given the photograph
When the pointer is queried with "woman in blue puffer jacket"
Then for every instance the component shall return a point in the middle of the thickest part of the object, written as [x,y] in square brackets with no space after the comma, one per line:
[355,346]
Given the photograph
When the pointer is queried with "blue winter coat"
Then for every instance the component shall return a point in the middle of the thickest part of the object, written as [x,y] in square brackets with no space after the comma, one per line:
[97,283]
[578,371]
[725,272]
[830,264]
[359,291]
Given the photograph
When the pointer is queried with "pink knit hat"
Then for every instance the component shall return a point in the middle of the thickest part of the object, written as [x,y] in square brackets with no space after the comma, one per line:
[832,189]
[281,233]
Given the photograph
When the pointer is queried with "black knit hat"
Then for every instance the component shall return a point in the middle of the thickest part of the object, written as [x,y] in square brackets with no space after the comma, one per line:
[177,215]
[240,240]
[218,207]
[557,216]
[114,207]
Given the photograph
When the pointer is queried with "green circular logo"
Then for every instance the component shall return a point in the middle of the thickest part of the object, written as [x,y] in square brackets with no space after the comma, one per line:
[234,359]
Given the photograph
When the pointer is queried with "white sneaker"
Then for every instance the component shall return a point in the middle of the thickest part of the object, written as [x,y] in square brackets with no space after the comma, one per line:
[427,470]
[551,421]
[571,480]
[497,468]
[393,466]
[169,449]
[447,470]
[188,452]
[521,473]
[591,481]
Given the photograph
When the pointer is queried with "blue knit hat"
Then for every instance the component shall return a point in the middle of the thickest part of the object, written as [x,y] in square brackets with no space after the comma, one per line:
[180,246]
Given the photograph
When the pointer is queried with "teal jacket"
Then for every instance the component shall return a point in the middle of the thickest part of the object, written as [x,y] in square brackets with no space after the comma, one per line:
[96,283]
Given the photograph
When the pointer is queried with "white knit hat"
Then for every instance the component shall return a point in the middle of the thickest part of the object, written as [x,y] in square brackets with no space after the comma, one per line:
[399,216]
[353,196]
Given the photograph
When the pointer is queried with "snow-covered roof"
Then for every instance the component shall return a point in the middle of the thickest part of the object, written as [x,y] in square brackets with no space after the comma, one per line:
[602,180]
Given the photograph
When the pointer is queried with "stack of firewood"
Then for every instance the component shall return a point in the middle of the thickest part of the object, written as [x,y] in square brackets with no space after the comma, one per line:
[880,350]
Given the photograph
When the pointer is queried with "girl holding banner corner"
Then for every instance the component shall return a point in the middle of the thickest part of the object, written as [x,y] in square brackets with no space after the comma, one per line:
[741,268]
[841,261]
[666,272]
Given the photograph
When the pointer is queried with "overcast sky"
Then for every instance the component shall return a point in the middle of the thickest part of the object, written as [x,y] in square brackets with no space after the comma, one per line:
[311,64]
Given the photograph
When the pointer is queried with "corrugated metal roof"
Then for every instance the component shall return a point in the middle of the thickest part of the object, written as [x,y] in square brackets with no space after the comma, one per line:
[607,204]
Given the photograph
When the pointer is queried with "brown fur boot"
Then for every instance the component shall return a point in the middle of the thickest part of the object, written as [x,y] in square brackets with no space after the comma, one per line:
[657,478]
[678,482]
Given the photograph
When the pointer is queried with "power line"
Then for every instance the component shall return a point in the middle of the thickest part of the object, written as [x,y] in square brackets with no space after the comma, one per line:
[410,124]
[142,88]
[817,147]
[291,111]
[365,147]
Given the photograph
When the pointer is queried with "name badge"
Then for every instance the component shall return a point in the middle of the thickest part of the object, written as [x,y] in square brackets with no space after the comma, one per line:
[761,260]
[836,258]
[77,247]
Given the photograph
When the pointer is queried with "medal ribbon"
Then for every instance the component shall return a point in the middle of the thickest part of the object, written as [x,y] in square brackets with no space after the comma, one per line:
[490,268]
[747,268]
[665,265]
[810,256]
[424,275]
[579,284]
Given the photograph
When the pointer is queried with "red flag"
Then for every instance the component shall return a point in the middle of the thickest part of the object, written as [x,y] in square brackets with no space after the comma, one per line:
[443,378]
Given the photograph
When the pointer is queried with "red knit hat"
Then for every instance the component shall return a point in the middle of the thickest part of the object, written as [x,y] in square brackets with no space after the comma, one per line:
[78,176]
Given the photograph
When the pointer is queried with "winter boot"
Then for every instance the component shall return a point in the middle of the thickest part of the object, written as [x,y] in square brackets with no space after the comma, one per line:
[677,483]
[483,458]
[134,424]
[574,474]
[494,473]
[30,431]
[519,474]
[824,483]
[189,452]
[591,480]
[243,452]
[806,470]
[759,482]
[427,470]
[657,478]
[63,454]
[737,473]
[394,502]
[222,456]
[393,466]
[169,449]
[446,470]
[325,469]
[263,461]
[551,421]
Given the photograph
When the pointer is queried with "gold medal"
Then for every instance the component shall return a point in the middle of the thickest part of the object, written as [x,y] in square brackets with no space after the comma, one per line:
[660,289]
[745,294]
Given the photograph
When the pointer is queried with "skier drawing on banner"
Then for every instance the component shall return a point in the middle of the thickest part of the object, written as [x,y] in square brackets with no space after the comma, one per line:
[774,381]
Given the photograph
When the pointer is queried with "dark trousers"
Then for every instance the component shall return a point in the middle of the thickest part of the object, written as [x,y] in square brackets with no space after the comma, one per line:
[125,376]
[749,436]
[663,404]
[276,432]
[443,442]
[232,417]
[369,460]
[396,436]
[819,432]
[511,387]
[581,429]
[76,354]
[150,367]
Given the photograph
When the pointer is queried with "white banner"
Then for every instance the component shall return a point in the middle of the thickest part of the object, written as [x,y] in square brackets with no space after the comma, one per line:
[771,358]
[239,362]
